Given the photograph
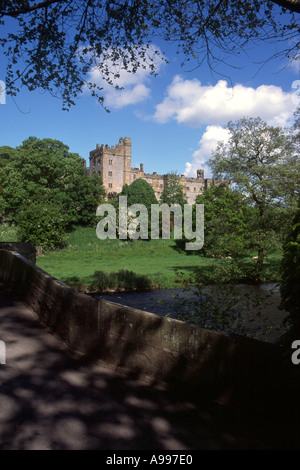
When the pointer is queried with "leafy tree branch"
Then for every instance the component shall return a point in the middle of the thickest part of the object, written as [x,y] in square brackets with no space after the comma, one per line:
[56,44]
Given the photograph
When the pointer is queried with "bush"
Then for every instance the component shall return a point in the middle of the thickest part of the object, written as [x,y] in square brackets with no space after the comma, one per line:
[216,302]
[42,224]
[124,279]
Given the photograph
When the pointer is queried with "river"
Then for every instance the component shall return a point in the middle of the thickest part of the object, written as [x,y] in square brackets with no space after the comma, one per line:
[262,322]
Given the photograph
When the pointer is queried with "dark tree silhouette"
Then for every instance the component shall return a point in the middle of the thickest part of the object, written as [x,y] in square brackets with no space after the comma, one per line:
[54,44]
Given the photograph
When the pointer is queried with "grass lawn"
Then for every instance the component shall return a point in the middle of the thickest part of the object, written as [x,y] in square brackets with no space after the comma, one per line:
[157,259]
[85,254]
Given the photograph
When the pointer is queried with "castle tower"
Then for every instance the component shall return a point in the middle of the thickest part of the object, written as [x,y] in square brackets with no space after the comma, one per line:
[126,151]
[112,164]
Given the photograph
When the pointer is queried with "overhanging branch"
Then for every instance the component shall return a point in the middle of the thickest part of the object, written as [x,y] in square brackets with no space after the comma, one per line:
[21,11]
[293,5]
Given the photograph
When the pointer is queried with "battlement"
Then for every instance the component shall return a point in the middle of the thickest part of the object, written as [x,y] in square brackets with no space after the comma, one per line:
[154,175]
[118,149]
[113,164]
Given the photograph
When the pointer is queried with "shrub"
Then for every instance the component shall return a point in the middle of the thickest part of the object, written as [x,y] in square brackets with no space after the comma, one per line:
[42,224]
[124,279]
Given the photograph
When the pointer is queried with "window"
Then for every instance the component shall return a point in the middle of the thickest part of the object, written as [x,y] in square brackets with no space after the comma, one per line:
[110,173]
[110,162]
[195,189]
[187,188]
[110,185]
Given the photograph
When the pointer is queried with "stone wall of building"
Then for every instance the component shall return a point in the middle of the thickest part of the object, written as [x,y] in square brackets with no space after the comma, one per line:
[113,164]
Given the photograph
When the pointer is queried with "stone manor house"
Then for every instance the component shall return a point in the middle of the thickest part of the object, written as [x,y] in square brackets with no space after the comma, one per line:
[113,165]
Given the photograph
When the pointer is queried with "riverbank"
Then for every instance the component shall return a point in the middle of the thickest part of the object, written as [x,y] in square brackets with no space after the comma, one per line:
[92,264]
[148,275]
[263,321]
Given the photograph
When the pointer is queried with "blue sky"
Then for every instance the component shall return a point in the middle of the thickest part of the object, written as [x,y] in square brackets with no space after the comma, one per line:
[174,119]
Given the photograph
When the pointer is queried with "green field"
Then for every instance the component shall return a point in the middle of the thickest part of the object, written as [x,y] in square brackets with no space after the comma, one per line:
[158,260]
[86,254]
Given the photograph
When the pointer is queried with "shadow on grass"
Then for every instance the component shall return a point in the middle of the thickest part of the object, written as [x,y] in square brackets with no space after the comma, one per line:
[179,247]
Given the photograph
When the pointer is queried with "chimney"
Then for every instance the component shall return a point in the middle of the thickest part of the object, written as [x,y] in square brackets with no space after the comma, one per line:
[142,167]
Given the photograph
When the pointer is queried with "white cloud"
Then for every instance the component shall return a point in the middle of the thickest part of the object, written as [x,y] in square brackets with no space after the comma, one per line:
[194,104]
[133,84]
[191,103]
[134,88]
[208,142]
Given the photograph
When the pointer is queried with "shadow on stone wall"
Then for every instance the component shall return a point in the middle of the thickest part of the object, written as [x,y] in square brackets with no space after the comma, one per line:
[242,376]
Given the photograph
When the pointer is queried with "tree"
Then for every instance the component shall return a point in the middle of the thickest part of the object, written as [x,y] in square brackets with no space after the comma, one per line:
[289,288]
[54,44]
[42,223]
[225,221]
[257,160]
[43,180]
[173,192]
[138,192]
[5,155]
[294,182]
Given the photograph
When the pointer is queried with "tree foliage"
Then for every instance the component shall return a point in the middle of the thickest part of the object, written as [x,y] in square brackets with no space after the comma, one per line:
[290,286]
[54,44]
[139,192]
[293,181]
[173,192]
[257,159]
[45,188]
[226,218]
[42,223]
[5,154]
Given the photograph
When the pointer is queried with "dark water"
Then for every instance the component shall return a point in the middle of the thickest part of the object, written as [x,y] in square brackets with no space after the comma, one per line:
[163,301]
[263,322]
